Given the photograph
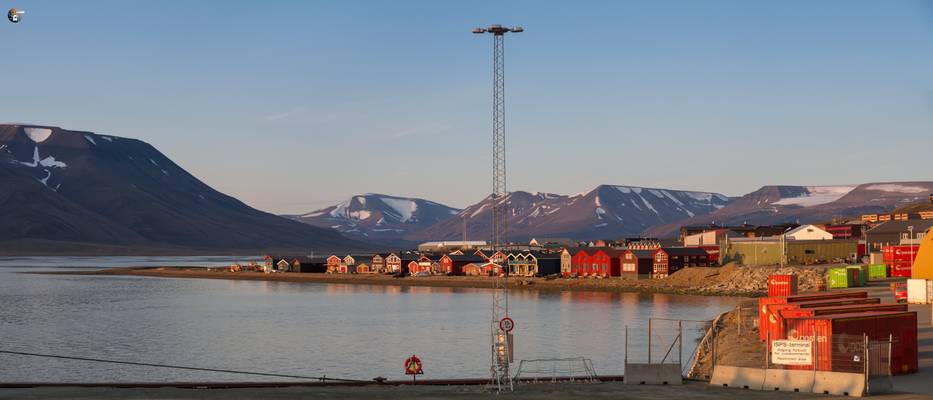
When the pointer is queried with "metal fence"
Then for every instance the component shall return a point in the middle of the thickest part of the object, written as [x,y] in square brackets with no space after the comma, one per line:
[554,369]
[665,341]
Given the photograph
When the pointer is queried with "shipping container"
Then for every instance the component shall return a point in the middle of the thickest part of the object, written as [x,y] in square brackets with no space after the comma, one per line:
[846,309]
[834,354]
[800,298]
[838,278]
[774,323]
[899,253]
[900,269]
[782,285]
[877,272]
[858,278]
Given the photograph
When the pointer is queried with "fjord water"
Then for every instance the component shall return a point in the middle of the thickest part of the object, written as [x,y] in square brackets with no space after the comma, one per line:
[337,330]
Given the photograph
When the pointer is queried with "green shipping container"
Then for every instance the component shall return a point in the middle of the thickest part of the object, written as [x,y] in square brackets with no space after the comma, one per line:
[838,278]
[877,272]
[860,278]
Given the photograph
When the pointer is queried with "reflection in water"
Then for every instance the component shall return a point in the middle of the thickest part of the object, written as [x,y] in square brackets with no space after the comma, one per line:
[341,330]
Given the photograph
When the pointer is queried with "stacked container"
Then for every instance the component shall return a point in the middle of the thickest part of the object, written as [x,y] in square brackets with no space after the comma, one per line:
[782,285]
[774,324]
[763,302]
[899,259]
[877,272]
[860,277]
[838,278]
[832,355]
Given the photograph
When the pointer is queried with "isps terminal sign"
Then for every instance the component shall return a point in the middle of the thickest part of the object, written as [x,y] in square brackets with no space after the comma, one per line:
[792,352]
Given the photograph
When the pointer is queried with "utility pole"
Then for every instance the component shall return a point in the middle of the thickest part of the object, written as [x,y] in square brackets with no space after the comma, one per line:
[501,339]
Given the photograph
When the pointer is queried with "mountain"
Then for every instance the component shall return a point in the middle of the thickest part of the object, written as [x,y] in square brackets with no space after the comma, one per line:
[379,217]
[808,204]
[605,212]
[73,191]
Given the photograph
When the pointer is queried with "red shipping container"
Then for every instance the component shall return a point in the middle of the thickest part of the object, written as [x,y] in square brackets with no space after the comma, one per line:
[902,326]
[782,285]
[764,301]
[847,309]
[775,319]
[899,253]
[900,269]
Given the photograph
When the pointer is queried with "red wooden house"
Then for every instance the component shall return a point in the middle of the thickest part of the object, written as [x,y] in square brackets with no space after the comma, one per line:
[492,269]
[579,262]
[333,264]
[604,262]
[452,264]
[378,263]
[413,267]
[393,263]
[668,260]
[422,265]
[637,264]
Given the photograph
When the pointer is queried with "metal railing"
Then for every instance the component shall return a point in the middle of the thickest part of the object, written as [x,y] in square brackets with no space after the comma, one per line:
[554,369]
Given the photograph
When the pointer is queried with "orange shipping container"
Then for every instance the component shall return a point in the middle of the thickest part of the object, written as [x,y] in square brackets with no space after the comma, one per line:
[764,301]
[834,353]
[782,285]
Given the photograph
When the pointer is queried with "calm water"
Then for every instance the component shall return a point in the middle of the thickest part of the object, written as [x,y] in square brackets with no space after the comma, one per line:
[351,331]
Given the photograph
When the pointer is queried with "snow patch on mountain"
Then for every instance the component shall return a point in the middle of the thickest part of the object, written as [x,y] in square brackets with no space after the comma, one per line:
[38,135]
[90,139]
[897,188]
[48,162]
[404,207]
[817,195]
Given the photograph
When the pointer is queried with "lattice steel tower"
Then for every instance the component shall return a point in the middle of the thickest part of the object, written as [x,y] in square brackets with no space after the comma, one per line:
[501,339]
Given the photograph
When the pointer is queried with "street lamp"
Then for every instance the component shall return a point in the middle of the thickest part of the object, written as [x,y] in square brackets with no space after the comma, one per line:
[501,339]
[910,237]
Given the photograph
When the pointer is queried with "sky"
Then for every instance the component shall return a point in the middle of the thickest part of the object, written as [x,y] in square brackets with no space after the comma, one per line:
[291,106]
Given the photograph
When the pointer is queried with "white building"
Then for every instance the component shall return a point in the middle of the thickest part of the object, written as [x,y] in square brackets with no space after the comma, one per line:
[808,232]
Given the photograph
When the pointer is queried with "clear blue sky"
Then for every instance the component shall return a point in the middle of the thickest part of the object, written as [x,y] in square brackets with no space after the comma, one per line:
[293,105]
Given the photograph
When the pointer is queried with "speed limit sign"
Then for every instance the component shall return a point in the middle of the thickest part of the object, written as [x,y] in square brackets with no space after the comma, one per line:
[506,324]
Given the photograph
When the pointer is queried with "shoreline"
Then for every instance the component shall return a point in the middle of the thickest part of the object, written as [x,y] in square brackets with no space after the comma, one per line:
[611,285]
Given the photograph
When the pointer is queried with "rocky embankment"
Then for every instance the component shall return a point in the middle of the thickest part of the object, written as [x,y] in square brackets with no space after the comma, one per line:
[731,340]
[740,279]
[729,280]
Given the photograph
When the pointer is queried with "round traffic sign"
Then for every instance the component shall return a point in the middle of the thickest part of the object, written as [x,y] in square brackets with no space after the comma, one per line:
[506,324]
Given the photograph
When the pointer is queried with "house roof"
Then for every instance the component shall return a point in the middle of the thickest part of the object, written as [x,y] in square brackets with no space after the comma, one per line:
[643,253]
[920,225]
[290,258]
[470,258]
[802,228]
[684,251]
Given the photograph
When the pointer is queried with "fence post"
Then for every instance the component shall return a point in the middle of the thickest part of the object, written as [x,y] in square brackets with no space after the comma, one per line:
[649,340]
[867,367]
[816,351]
[739,318]
[626,345]
[680,344]
[767,349]
[816,357]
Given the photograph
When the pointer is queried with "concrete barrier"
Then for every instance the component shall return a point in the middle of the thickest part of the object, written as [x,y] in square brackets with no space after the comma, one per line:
[788,380]
[823,382]
[653,374]
[839,383]
[738,377]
